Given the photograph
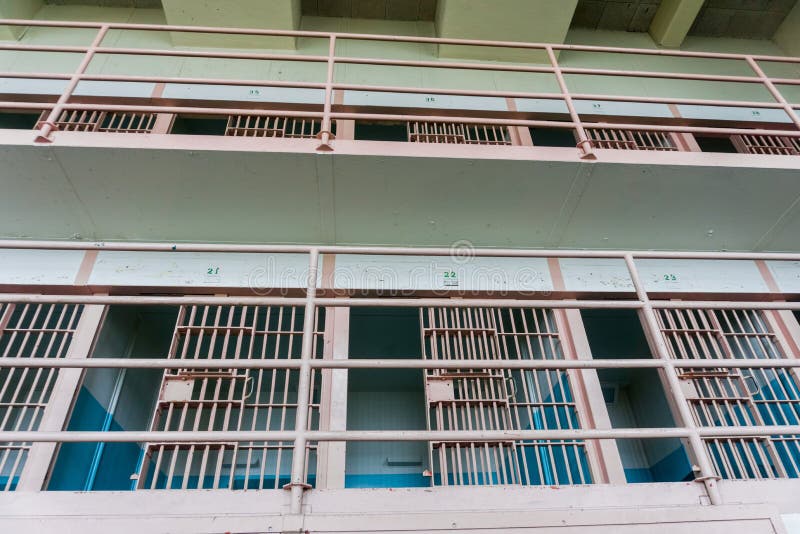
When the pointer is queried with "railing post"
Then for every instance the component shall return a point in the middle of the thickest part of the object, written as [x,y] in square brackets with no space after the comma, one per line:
[50,124]
[297,484]
[325,131]
[707,475]
[584,143]
[776,94]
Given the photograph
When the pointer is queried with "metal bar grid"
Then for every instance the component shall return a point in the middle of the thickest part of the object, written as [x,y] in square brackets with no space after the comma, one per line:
[231,400]
[767,144]
[457,134]
[31,332]
[101,121]
[327,114]
[620,139]
[740,396]
[266,126]
[476,399]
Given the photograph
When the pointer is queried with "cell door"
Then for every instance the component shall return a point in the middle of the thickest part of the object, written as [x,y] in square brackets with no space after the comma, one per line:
[29,331]
[230,400]
[721,397]
[498,399]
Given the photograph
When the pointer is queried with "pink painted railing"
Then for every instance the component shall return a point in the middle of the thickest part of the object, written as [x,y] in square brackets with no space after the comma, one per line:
[330,113]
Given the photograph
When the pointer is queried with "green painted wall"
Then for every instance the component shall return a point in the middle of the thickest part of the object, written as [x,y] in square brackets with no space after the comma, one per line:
[414,77]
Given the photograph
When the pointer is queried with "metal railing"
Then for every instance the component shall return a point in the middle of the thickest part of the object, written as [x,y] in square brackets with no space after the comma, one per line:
[330,112]
[696,434]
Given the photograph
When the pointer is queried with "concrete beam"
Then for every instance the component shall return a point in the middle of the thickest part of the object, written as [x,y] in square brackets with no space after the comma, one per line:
[673,20]
[265,14]
[502,20]
[17,9]
[788,34]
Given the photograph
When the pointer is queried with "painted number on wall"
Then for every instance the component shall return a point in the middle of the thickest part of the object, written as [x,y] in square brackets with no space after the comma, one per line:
[450,278]
[212,271]
[670,278]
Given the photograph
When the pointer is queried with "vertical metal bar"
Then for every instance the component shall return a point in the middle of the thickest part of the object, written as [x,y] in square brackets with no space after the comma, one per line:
[706,472]
[298,484]
[584,143]
[325,132]
[776,94]
[50,123]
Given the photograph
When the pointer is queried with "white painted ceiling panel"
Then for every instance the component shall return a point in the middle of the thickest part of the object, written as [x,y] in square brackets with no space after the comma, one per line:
[786,275]
[733,113]
[175,269]
[423,100]
[39,267]
[664,275]
[435,273]
[244,93]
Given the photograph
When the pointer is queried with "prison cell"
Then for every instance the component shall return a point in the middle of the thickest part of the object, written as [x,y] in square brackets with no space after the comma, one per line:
[631,139]
[457,134]
[102,121]
[261,126]
[29,331]
[231,400]
[485,399]
[720,397]
[766,144]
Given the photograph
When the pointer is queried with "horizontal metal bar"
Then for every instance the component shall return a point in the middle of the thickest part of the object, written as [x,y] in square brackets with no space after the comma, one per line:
[450,119]
[561,124]
[102,362]
[397,435]
[391,251]
[204,81]
[447,92]
[37,75]
[659,74]
[692,129]
[152,300]
[156,362]
[391,435]
[35,106]
[724,305]
[670,100]
[383,302]
[209,54]
[43,48]
[193,110]
[556,96]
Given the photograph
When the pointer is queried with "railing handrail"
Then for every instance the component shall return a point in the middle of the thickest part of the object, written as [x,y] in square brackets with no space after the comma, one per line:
[585,143]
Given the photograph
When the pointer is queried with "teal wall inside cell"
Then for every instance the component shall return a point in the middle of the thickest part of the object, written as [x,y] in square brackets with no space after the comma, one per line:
[126,332]
[640,400]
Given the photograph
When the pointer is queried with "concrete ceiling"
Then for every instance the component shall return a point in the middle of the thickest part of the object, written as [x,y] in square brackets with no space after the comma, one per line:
[746,19]
[372,9]
[283,192]
[631,16]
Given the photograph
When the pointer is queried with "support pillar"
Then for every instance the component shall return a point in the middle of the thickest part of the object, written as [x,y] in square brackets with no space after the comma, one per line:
[673,20]
[17,9]
[265,14]
[605,461]
[531,21]
[787,35]
[333,398]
